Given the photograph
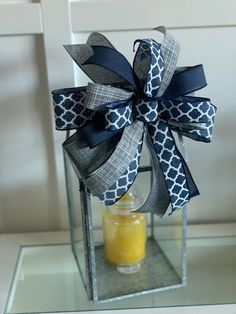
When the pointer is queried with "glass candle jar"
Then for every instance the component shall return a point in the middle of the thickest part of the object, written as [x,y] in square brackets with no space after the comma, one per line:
[125,234]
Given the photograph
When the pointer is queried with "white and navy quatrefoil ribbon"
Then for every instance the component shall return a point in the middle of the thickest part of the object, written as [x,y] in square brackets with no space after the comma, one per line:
[123,103]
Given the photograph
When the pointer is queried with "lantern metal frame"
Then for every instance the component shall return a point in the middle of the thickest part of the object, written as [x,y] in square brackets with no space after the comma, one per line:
[88,273]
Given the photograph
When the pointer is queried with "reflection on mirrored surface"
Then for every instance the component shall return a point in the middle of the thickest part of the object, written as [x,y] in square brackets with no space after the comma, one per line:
[46,280]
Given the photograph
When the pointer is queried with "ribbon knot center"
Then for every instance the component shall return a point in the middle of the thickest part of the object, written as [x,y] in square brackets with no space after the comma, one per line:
[146,109]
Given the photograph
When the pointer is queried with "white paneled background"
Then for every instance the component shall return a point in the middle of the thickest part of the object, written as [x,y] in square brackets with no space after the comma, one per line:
[28,195]
[33,62]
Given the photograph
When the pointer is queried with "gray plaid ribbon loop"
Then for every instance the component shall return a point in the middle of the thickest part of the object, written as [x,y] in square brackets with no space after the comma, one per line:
[103,178]
[113,112]
[97,95]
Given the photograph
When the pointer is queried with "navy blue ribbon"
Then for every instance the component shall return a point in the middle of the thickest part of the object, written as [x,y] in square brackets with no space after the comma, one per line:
[114,61]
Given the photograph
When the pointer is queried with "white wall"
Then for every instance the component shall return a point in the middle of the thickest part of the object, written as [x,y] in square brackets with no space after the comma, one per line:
[28,198]
[32,62]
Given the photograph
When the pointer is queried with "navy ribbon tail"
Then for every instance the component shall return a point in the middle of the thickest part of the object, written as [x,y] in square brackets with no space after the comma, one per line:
[95,135]
[193,190]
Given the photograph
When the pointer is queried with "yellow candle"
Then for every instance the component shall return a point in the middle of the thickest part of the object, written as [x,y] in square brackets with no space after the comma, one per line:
[124,233]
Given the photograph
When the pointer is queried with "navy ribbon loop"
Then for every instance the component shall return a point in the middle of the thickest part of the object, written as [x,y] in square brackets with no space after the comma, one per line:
[111,59]
[102,111]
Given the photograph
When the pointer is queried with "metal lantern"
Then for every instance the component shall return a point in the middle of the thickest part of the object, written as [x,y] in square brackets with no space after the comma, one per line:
[113,116]
[164,266]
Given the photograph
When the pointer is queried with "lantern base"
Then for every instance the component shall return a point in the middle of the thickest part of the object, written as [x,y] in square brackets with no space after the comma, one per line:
[155,274]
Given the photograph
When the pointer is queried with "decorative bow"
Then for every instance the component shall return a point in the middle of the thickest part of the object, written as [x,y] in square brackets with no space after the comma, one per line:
[124,102]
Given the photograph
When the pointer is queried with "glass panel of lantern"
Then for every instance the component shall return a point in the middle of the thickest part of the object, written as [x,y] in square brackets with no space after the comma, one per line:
[112,243]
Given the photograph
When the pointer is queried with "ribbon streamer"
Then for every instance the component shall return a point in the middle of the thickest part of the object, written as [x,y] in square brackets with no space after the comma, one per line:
[125,104]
